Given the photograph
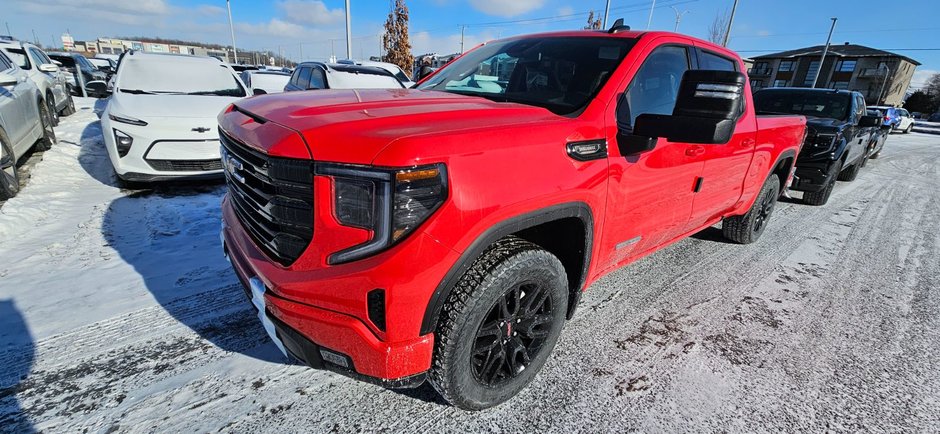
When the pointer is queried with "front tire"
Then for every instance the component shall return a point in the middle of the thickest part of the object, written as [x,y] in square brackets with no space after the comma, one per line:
[69,106]
[499,324]
[53,113]
[9,173]
[849,175]
[747,228]
[818,198]
[908,129]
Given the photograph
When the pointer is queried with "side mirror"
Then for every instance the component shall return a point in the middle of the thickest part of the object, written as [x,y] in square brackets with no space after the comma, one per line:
[49,67]
[97,87]
[8,79]
[706,111]
[259,92]
[56,63]
[869,121]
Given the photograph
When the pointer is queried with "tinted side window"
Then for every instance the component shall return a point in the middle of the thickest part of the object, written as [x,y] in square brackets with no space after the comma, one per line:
[5,63]
[304,81]
[317,80]
[295,77]
[714,62]
[655,86]
[38,56]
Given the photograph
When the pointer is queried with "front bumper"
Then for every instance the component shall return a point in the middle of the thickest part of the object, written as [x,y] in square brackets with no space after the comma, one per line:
[307,330]
[813,176]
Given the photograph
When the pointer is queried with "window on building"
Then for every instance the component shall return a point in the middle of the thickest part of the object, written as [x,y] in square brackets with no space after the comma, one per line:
[785,66]
[846,65]
[840,85]
[811,73]
[757,84]
[780,83]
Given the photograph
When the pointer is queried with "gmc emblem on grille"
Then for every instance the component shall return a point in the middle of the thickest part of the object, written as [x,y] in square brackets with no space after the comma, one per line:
[233,166]
[201,129]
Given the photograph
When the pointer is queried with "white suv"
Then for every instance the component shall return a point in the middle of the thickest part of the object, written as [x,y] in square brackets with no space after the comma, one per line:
[44,73]
[160,122]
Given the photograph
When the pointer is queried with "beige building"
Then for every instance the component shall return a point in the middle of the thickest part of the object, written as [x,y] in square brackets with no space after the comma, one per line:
[881,76]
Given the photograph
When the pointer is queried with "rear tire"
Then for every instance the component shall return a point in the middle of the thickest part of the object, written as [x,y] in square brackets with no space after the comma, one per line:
[499,325]
[9,173]
[48,133]
[747,228]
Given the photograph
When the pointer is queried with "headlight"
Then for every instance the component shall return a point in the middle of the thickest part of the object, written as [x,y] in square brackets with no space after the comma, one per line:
[820,144]
[391,203]
[123,142]
[127,120]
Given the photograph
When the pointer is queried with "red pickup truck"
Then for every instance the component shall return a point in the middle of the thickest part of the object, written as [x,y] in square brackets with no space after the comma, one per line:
[447,232]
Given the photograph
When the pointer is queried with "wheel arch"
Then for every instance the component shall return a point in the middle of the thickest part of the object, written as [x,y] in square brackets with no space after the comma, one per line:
[556,229]
[785,162]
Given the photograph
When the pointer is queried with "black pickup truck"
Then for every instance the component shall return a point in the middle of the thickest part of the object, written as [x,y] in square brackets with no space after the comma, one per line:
[838,133]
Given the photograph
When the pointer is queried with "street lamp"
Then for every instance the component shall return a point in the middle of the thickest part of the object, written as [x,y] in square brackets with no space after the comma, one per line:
[679,17]
[231,27]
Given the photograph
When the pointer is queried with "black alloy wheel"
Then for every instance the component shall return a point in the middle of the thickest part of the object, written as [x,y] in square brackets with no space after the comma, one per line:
[9,174]
[513,332]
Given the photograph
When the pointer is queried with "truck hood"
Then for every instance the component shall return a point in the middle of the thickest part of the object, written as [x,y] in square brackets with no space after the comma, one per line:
[353,126]
[825,125]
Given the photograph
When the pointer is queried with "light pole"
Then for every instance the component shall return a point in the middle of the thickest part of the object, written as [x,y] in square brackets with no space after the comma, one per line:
[606,13]
[679,17]
[825,50]
[734,9]
[348,33]
[650,19]
[231,27]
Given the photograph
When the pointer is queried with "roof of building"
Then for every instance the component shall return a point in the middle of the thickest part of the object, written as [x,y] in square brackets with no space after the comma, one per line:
[845,50]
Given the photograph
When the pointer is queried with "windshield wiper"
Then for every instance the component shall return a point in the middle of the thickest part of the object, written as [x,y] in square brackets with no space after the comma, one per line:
[137,91]
[224,92]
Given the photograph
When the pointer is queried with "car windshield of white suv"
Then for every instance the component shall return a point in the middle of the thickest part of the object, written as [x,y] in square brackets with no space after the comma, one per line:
[177,76]
[561,74]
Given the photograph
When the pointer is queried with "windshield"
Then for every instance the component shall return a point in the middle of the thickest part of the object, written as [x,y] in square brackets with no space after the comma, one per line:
[159,75]
[561,74]
[815,103]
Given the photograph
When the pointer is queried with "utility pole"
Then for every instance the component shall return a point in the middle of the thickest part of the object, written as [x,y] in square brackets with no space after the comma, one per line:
[730,22]
[9,33]
[462,28]
[231,27]
[650,19]
[825,50]
[35,39]
[348,33]
[679,17]
[606,13]
[280,56]
[301,51]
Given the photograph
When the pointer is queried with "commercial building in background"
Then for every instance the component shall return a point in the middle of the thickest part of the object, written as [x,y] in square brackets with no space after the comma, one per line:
[883,77]
[118,46]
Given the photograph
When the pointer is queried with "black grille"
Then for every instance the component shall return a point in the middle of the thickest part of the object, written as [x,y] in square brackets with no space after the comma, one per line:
[272,197]
[185,165]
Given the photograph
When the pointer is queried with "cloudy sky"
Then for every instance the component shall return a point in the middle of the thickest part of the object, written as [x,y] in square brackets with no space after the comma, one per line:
[305,28]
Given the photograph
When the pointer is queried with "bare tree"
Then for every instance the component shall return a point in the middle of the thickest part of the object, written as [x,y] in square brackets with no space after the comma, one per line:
[395,41]
[592,23]
[933,85]
[718,27]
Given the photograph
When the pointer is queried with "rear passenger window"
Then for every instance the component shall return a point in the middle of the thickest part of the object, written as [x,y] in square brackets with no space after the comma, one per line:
[317,80]
[714,62]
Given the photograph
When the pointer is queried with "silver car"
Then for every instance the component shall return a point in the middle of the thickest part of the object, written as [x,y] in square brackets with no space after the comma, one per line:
[24,121]
[45,74]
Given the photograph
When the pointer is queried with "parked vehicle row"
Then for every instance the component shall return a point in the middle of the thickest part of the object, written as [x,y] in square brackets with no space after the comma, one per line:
[898,119]
[25,122]
[44,73]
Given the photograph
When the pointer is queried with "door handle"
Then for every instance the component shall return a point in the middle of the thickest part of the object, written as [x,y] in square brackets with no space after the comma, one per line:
[747,143]
[695,151]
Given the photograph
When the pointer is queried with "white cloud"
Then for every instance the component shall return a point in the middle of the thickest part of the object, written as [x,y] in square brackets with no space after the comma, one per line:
[424,42]
[159,7]
[504,8]
[565,11]
[921,76]
[275,27]
[310,12]
[210,10]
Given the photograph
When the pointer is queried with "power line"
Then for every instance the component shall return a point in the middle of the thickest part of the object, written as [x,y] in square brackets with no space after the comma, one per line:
[883,49]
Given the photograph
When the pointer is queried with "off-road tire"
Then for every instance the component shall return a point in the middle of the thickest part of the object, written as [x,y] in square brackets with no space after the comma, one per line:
[48,133]
[9,173]
[818,198]
[747,228]
[50,107]
[509,263]
[69,106]
[849,174]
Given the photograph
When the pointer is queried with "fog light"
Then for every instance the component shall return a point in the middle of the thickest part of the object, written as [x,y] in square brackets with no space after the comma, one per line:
[123,142]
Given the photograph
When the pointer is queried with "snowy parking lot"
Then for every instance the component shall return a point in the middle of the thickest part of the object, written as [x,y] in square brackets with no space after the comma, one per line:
[119,313]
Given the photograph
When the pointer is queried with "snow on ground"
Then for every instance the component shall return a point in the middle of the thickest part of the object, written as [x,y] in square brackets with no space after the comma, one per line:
[118,313]
[922,126]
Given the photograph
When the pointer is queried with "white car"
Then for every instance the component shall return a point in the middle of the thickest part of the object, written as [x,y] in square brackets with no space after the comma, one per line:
[264,82]
[160,122]
[24,122]
[390,67]
[45,74]
[318,75]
